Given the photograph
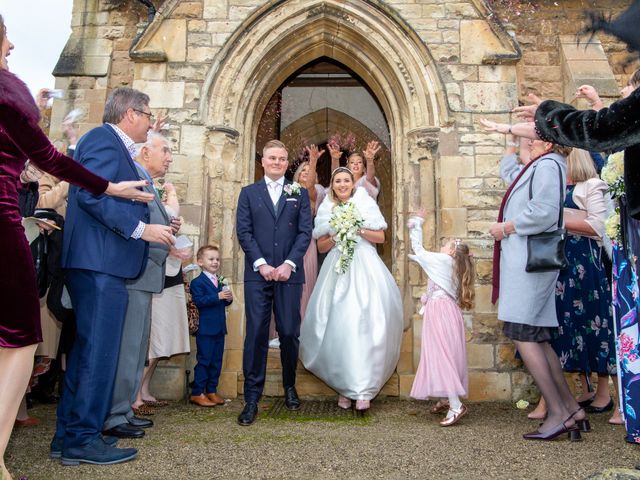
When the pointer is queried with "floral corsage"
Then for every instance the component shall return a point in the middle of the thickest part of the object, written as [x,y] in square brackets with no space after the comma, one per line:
[292,189]
[222,280]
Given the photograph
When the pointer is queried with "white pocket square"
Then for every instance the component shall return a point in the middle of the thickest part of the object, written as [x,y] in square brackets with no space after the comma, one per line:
[292,199]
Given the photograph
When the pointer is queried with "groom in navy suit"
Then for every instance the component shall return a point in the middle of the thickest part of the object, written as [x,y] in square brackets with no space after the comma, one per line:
[274,229]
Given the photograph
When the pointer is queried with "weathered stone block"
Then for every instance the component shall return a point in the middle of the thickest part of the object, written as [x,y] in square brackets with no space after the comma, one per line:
[228,384]
[523,387]
[392,387]
[215,9]
[162,94]
[408,11]
[480,355]
[506,357]
[484,385]
[448,191]
[456,166]
[171,38]
[490,96]
[483,299]
[150,71]
[497,73]
[433,11]
[462,72]
[543,74]
[466,10]
[487,166]
[188,10]
[406,382]
[453,222]
[478,41]
[192,140]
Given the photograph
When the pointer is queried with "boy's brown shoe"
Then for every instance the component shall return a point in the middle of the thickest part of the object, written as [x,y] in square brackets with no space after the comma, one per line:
[215,398]
[201,400]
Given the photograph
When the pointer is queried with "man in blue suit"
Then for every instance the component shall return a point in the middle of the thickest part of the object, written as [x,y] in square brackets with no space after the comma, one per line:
[105,243]
[274,229]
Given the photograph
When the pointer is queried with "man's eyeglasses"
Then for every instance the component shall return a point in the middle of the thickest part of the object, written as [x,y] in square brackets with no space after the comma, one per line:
[148,114]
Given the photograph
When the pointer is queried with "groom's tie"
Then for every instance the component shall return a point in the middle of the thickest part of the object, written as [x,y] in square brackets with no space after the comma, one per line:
[274,193]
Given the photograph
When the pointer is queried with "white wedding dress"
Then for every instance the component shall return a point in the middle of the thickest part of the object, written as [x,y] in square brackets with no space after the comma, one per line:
[351,333]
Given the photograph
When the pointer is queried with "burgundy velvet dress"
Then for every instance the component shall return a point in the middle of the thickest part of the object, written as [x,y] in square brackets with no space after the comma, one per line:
[22,138]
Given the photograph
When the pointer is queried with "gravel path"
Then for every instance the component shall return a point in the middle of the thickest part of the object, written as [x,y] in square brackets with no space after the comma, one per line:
[396,439]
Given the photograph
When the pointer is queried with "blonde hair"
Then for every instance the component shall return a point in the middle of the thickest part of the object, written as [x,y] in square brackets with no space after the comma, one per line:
[296,175]
[464,274]
[338,170]
[205,248]
[580,167]
[273,144]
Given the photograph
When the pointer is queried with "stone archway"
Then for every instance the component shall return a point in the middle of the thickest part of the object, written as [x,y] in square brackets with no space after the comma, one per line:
[273,43]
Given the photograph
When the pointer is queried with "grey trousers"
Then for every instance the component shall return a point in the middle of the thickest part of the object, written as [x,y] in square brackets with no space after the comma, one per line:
[131,359]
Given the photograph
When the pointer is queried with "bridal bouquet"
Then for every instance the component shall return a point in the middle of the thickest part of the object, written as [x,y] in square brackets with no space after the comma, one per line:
[346,221]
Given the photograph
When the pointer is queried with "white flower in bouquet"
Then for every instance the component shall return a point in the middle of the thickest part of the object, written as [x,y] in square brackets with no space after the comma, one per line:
[612,226]
[613,174]
[345,221]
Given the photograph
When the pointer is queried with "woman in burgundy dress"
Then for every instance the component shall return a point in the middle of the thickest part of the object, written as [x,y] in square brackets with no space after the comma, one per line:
[21,138]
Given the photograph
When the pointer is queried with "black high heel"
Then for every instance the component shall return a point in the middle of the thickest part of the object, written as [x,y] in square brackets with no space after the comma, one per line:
[607,408]
[573,433]
[584,425]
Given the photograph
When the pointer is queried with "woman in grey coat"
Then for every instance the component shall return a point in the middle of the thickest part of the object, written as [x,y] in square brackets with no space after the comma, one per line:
[527,299]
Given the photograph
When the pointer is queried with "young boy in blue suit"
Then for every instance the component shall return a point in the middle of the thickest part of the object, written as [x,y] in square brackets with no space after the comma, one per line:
[211,295]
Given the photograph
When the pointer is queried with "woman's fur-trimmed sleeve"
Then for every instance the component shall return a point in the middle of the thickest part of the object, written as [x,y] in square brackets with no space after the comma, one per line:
[323,216]
[373,219]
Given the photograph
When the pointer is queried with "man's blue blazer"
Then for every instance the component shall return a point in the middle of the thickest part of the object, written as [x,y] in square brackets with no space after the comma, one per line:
[97,231]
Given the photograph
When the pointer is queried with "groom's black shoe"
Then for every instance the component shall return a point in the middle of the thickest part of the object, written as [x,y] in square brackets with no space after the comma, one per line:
[291,400]
[248,414]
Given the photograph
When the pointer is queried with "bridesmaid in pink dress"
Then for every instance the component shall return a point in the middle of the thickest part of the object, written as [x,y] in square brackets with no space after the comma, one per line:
[442,371]
[306,176]
[364,177]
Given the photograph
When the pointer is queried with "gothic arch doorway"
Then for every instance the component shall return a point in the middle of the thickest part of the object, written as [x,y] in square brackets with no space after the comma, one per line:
[278,40]
[325,100]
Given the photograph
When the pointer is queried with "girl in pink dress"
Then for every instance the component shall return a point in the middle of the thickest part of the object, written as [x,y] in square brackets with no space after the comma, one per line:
[442,371]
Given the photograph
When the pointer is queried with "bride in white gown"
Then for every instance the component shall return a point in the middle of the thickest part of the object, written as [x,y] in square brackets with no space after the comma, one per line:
[351,334]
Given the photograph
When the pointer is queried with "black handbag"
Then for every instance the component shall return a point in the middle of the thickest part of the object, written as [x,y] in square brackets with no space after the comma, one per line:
[545,251]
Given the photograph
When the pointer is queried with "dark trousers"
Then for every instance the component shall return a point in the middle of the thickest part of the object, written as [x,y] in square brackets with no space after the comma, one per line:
[207,371]
[100,304]
[261,298]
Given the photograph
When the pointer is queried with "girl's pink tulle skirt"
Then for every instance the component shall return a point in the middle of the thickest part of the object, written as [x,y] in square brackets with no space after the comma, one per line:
[443,357]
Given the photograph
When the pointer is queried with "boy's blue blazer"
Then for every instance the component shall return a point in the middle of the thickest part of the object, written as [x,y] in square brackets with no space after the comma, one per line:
[211,309]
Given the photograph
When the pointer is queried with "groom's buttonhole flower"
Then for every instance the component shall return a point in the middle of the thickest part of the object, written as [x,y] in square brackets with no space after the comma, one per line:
[292,188]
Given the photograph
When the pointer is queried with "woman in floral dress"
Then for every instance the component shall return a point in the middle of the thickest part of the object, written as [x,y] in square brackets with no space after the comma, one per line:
[585,339]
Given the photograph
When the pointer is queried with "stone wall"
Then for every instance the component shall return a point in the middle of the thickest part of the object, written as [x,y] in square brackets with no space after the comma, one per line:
[436,68]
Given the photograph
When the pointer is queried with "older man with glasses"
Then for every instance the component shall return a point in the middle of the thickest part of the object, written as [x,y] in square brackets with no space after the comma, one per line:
[105,244]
